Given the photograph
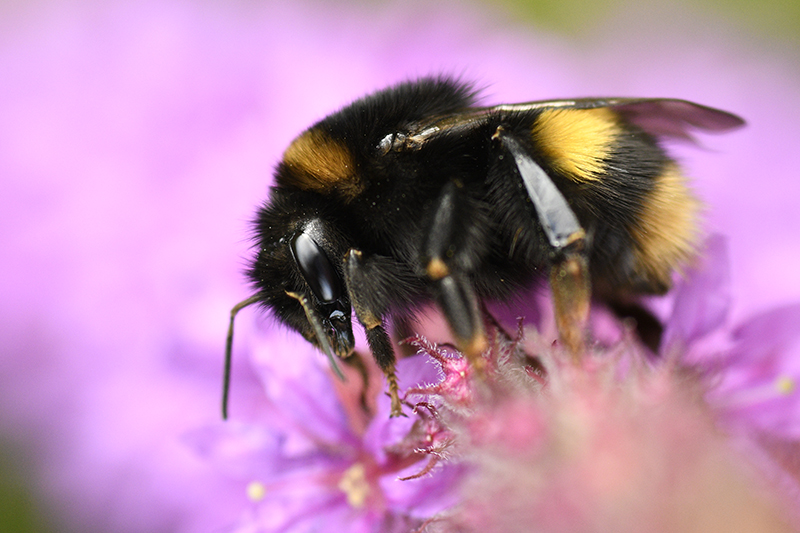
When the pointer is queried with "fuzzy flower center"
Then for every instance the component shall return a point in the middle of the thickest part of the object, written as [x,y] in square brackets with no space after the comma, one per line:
[256,491]
[785,385]
[355,486]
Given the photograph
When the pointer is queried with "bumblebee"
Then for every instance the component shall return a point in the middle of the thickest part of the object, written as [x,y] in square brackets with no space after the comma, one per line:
[415,194]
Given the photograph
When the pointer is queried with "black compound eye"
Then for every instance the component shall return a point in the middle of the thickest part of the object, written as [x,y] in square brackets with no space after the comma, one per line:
[316,268]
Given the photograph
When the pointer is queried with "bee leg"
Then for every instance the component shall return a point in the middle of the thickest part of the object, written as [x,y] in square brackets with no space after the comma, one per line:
[359,288]
[569,270]
[569,281]
[452,288]
[459,304]
[381,348]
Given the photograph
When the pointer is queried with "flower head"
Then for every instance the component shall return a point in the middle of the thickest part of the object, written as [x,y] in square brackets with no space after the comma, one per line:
[627,437]
[318,458]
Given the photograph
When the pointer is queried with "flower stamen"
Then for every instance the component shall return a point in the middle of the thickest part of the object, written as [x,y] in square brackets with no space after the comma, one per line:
[785,385]
[256,491]
[355,486]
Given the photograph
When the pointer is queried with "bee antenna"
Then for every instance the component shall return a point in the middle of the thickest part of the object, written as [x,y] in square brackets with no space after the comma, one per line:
[313,319]
[226,380]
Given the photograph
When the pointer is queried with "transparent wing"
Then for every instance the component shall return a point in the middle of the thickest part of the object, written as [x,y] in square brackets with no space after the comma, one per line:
[661,117]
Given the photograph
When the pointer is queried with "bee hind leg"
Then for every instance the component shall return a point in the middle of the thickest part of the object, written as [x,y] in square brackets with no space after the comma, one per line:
[569,265]
[569,281]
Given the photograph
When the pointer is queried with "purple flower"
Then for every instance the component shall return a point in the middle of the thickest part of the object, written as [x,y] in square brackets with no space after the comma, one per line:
[627,438]
[317,459]
[751,368]
[753,365]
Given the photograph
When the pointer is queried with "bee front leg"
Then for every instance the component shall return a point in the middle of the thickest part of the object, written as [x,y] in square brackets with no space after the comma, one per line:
[362,291]
[444,254]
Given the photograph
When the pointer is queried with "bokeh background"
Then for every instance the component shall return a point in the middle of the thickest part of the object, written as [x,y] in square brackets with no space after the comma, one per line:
[137,138]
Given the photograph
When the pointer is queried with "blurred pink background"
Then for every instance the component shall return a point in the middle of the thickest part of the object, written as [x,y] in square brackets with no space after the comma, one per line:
[137,139]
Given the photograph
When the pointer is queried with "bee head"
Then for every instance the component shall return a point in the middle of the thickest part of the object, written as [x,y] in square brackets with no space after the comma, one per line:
[298,273]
